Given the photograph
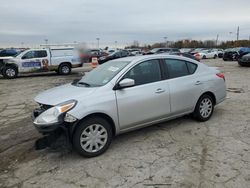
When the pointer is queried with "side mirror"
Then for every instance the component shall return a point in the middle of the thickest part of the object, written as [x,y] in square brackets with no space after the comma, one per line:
[127,82]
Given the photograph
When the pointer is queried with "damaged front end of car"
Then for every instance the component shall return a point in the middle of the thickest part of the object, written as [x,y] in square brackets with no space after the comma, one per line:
[52,122]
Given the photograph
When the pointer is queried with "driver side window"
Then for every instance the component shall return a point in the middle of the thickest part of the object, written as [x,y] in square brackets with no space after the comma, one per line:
[29,55]
[145,72]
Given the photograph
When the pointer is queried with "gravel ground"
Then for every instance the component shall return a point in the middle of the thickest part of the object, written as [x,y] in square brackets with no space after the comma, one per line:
[178,153]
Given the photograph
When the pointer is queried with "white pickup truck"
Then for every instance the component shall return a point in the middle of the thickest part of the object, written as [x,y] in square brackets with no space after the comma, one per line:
[61,60]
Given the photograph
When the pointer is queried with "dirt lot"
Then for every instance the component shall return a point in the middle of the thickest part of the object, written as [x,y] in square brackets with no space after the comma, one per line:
[179,153]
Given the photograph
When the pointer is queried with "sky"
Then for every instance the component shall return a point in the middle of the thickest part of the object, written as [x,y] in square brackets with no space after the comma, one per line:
[30,22]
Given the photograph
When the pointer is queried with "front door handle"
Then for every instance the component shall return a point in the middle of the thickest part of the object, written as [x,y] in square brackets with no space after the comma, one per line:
[159,90]
[198,83]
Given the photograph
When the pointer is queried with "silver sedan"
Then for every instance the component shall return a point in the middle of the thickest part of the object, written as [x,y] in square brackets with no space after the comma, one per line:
[127,94]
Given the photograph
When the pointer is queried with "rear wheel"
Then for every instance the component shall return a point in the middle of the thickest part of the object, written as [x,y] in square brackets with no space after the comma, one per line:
[215,56]
[9,72]
[64,69]
[204,57]
[92,137]
[204,108]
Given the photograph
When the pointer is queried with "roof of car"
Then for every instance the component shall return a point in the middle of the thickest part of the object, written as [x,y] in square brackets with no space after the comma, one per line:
[146,57]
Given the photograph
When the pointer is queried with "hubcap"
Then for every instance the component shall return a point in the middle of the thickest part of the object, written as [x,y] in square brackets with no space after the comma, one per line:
[93,138]
[206,107]
[10,72]
[65,69]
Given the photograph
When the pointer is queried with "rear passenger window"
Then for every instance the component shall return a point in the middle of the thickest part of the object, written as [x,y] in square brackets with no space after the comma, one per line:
[191,67]
[176,68]
[40,54]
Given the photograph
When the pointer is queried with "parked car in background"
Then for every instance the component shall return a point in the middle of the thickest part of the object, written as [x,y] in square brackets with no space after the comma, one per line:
[220,53]
[196,50]
[112,50]
[244,60]
[87,55]
[41,60]
[186,50]
[162,50]
[243,51]
[134,51]
[233,54]
[115,55]
[185,55]
[127,94]
[208,54]
[9,52]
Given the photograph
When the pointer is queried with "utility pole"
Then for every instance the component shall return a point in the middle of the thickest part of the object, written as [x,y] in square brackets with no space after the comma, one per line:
[217,38]
[166,42]
[238,33]
[98,39]
[115,44]
[46,42]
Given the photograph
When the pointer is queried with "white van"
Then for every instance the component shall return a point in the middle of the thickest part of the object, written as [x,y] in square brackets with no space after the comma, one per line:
[61,60]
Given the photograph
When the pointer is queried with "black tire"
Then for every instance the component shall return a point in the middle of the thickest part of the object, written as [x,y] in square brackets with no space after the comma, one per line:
[197,114]
[85,125]
[240,64]
[204,57]
[215,56]
[64,69]
[10,72]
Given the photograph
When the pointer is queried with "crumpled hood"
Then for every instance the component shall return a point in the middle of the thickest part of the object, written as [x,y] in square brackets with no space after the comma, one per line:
[63,93]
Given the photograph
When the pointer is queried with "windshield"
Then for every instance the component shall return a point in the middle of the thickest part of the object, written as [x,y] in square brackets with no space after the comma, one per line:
[102,74]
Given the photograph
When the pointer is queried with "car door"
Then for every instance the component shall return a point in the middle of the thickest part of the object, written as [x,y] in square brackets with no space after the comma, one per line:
[184,85]
[34,60]
[147,100]
[210,54]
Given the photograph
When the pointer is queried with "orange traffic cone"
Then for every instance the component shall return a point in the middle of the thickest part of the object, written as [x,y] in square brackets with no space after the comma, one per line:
[94,62]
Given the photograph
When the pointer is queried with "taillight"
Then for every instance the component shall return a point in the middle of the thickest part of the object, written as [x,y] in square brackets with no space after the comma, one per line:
[221,75]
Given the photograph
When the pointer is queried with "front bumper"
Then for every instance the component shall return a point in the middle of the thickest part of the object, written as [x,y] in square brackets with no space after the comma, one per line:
[244,62]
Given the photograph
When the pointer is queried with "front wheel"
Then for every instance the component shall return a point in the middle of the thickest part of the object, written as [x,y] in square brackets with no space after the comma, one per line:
[92,137]
[9,72]
[204,108]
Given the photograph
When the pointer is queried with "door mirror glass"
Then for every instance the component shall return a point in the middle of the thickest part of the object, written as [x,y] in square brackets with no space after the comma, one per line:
[127,82]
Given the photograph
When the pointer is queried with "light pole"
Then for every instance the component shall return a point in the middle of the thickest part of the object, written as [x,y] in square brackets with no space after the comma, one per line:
[217,38]
[166,42]
[237,33]
[115,44]
[46,41]
[98,39]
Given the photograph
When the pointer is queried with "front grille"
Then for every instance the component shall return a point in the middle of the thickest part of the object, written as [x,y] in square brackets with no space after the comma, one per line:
[45,107]
[41,109]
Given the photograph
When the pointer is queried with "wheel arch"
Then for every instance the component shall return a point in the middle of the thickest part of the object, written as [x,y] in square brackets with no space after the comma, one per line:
[66,62]
[11,64]
[211,94]
[97,114]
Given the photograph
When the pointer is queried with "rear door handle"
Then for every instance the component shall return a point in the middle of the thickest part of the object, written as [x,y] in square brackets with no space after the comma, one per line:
[198,83]
[159,90]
